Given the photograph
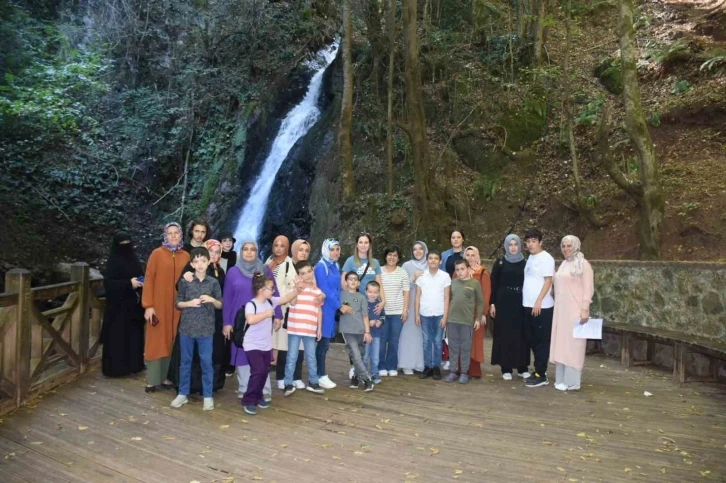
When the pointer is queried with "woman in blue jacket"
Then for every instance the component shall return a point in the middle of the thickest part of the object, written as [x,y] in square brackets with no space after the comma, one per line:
[327,276]
[456,252]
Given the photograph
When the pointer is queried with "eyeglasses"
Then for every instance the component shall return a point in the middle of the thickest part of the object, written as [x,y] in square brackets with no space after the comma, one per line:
[269,288]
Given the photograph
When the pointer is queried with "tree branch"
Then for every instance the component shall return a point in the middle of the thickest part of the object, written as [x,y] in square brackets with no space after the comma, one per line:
[633,188]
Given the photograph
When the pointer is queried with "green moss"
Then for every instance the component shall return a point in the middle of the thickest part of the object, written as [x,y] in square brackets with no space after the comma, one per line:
[612,80]
[523,127]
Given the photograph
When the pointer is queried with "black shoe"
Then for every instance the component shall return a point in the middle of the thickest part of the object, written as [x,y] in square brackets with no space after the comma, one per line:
[315,388]
[426,373]
[353,383]
[150,389]
[536,380]
[289,389]
[168,387]
[437,374]
[368,385]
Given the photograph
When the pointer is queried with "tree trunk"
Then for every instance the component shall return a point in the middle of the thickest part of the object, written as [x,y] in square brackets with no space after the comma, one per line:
[372,18]
[651,203]
[416,125]
[346,115]
[538,34]
[391,60]
[521,21]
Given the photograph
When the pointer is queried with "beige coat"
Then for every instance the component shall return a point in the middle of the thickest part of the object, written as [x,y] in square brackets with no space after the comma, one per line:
[285,283]
[572,294]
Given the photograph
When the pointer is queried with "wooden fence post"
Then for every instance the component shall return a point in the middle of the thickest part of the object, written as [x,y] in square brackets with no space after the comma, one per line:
[18,280]
[81,316]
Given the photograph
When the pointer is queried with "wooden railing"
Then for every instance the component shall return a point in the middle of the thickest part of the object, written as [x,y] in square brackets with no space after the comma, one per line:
[40,350]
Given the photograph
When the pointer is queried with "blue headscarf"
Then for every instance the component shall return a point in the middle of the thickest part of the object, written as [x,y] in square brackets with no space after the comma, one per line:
[328,245]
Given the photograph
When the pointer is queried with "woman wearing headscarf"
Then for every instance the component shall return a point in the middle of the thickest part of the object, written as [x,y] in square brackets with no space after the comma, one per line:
[237,292]
[300,250]
[215,271]
[283,269]
[574,288]
[510,348]
[122,334]
[410,344]
[327,277]
[163,270]
[481,275]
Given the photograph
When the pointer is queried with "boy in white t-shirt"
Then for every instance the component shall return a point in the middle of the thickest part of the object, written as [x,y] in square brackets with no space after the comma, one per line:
[538,305]
[433,293]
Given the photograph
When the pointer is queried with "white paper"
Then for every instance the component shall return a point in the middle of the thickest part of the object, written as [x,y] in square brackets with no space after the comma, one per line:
[591,330]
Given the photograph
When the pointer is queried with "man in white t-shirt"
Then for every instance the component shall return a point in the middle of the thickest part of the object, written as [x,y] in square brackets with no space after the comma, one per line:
[433,292]
[538,305]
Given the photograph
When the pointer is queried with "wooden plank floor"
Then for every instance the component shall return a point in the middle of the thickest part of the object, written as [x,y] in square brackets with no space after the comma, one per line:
[97,430]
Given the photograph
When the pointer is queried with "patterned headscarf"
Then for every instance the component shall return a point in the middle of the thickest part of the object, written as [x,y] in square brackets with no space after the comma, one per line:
[295,246]
[274,261]
[420,263]
[473,267]
[209,244]
[508,256]
[577,258]
[249,269]
[166,243]
[327,246]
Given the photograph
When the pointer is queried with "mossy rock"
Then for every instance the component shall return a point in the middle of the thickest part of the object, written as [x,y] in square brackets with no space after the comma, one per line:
[523,127]
[612,80]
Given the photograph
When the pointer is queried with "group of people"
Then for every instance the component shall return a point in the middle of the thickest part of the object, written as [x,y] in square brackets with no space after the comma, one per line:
[199,313]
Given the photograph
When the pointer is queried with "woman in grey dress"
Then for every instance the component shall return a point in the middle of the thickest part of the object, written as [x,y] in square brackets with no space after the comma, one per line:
[410,348]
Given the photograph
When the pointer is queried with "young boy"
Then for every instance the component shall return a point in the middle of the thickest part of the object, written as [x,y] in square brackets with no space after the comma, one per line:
[197,300]
[538,305]
[355,328]
[376,321]
[465,316]
[304,323]
[433,292]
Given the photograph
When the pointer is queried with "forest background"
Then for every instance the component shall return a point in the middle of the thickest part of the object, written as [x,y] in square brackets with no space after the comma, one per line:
[486,115]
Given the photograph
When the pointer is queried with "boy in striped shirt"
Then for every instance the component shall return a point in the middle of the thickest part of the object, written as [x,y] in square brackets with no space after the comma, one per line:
[304,323]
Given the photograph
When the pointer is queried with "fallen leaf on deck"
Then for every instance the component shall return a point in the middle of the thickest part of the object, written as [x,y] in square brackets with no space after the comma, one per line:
[358,452]
[458,472]
[626,409]
[283,446]
[224,426]
[36,442]
[705,473]
[387,420]
[62,414]
[549,443]
[560,468]
[378,426]
[581,435]
[82,428]
[169,438]
[136,438]
[628,470]
[434,450]
[326,445]
[647,394]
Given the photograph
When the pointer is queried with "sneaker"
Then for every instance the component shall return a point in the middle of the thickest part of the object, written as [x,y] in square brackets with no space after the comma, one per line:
[289,389]
[267,397]
[447,365]
[264,404]
[315,388]
[368,385]
[392,373]
[536,381]
[208,404]
[250,410]
[353,383]
[426,373]
[525,375]
[281,385]
[408,372]
[377,380]
[298,384]
[351,372]
[326,383]
[383,373]
[507,376]
[436,374]
[561,386]
[573,388]
[451,377]
[463,379]
[179,401]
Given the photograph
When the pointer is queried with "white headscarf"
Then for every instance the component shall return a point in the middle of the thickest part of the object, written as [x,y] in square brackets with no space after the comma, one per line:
[577,258]
[420,263]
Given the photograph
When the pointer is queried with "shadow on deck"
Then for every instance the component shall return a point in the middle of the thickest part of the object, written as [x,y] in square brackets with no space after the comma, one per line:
[101,430]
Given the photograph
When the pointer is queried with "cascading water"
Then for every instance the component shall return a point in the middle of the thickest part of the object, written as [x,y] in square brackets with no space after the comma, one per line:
[295,125]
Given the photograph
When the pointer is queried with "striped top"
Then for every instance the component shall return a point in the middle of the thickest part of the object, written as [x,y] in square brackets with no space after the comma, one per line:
[394,284]
[303,316]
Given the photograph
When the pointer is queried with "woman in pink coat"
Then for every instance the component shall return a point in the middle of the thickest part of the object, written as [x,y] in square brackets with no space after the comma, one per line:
[574,289]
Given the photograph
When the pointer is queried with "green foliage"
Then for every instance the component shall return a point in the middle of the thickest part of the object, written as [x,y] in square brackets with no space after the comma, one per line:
[687,208]
[669,53]
[717,58]
[592,201]
[588,115]
[486,186]
[654,119]
[681,86]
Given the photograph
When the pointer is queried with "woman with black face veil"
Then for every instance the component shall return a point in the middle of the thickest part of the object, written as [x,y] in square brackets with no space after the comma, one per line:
[122,334]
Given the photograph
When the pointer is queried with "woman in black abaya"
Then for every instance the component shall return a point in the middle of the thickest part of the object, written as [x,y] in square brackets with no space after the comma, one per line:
[122,334]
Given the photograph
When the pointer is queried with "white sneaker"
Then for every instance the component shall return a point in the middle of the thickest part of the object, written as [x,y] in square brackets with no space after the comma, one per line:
[281,385]
[392,373]
[408,372]
[267,397]
[382,373]
[525,375]
[447,364]
[208,404]
[298,384]
[561,386]
[507,376]
[351,373]
[179,401]
[573,388]
[326,383]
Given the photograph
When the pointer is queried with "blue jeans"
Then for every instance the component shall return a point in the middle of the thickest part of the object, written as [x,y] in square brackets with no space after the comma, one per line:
[373,352]
[433,336]
[204,347]
[321,351]
[293,349]
[389,342]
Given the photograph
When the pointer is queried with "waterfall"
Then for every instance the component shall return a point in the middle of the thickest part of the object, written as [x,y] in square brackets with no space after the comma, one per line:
[295,125]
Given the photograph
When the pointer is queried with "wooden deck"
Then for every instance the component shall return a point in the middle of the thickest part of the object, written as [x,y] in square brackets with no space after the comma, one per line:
[98,430]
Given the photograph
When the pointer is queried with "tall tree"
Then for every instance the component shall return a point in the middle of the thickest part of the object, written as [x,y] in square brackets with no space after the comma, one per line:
[415,125]
[538,33]
[391,61]
[647,191]
[346,115]
[374,32]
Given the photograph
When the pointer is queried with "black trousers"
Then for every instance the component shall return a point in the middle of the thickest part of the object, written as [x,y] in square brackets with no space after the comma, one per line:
[280,367]
[539,332]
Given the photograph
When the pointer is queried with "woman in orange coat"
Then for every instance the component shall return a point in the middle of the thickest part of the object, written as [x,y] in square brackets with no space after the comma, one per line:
[163,270]
[478,272]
